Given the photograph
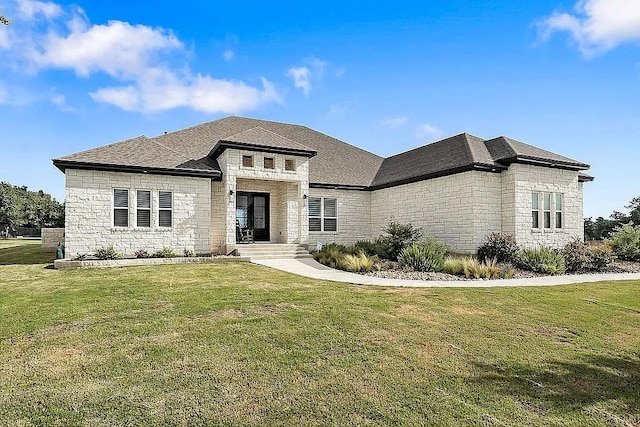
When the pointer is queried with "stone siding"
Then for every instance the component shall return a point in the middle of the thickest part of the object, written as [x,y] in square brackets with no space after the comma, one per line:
[89,213]
[442,207]
[520,181]
[354,217]
[51,237]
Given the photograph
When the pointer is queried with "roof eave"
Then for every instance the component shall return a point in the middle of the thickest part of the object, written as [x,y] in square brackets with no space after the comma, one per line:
[223,145]
[196,173]
[538,161]
[484,167]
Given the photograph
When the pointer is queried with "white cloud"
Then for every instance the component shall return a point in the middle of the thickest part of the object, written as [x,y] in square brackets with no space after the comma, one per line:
[146,64]
[228,55]
[395,122]
[118,49]
[597,25]
[31,8]
[428,131]
[160,90]
[319,67]
[301,78]
[60,101]
[338,110]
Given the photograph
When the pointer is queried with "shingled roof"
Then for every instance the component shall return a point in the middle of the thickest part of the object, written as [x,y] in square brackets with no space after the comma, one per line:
[332,163]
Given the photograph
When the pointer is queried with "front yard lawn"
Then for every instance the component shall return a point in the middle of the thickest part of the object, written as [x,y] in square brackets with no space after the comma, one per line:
[239,344]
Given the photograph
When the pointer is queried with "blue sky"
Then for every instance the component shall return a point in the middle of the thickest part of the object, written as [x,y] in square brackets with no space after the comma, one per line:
[385,76]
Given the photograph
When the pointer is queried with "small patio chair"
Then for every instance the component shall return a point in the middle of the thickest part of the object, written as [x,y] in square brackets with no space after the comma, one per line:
[243,235]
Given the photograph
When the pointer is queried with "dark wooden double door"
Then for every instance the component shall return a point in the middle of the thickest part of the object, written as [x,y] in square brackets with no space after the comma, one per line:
[252,212]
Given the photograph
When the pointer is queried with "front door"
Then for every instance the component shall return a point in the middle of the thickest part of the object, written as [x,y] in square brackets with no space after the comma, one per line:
[252,211]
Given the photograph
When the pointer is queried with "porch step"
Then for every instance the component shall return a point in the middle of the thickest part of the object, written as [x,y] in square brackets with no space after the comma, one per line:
[260,251]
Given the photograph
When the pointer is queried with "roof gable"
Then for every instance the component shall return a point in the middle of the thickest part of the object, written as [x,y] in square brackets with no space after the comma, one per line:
[507,150]
[258,138]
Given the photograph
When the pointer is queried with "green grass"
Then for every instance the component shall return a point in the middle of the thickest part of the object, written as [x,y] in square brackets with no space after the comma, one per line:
[24,251]
[239,344]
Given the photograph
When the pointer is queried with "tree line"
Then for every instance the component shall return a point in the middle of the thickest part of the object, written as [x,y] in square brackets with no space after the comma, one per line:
[20,207]
[601,228]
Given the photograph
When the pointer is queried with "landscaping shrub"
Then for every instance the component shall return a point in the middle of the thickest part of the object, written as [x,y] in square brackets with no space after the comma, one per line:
[330,255]
[378,247]
[541,260]
[625,242]
[189,253]
[107,253]
[399,236]
[427,255]
[576,255]
[472,268]
[501,247]
[581,256]
[359,263]
[142,253]
[601,256]
[165,253]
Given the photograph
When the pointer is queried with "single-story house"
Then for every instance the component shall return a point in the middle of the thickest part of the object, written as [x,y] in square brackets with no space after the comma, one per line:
[193,188]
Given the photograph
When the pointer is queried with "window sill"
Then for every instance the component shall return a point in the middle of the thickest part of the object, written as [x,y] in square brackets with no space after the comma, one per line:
[324,233]
[548,231]
[139,229]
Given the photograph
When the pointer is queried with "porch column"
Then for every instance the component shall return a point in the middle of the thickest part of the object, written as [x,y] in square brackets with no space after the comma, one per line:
[230,201]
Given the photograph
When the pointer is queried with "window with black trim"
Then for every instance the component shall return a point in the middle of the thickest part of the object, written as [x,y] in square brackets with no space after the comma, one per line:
[547,210]
[120,207]
[247,161]
[269,163]
[323,214]
[143,208]
[165,209]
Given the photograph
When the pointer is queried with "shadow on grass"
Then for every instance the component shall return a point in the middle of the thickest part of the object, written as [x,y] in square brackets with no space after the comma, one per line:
[571,387]
[25,255]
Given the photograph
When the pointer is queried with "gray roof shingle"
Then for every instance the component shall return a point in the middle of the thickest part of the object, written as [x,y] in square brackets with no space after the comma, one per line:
[332,162]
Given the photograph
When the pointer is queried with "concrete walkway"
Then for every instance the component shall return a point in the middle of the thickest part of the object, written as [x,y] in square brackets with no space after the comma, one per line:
[311,268]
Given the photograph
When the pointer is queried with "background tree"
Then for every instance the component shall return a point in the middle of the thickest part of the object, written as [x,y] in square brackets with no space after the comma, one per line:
[601,228]
[4,20]
[20,207]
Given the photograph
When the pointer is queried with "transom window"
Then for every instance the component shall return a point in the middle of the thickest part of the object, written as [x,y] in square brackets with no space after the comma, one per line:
[247,161]
[143,211]
[289,164]
[323,214]
[269,163]
[546,210]
[165,209]
[120,208]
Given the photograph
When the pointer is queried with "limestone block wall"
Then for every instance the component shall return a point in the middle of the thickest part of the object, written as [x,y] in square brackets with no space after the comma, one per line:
[487,207]
[521,180]
[354,217]
[89,213]
[219,202]
[288,188]
[50,237]
[443,207]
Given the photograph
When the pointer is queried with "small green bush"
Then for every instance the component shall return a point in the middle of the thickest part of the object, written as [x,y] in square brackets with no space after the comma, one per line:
[499,247]
[142,253]
[625,242]
[188,253]
[378,247]
[470,267]
[541,260]
[330,255]
[601,256]
[399,236]
[165,253]
[359,263]
[576,255]
[427,255]
[107,253]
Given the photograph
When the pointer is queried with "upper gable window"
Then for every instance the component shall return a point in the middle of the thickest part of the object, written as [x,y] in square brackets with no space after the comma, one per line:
[247,161]
[269,163]
[289,164]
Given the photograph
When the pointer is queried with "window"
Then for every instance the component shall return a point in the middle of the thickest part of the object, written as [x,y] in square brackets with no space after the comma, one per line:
[165,208]
[120,208]
[269,163]
[323,214]
[289,164]
[558,209]
[547,210]
[247,161]
[535,210]
[143,211]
